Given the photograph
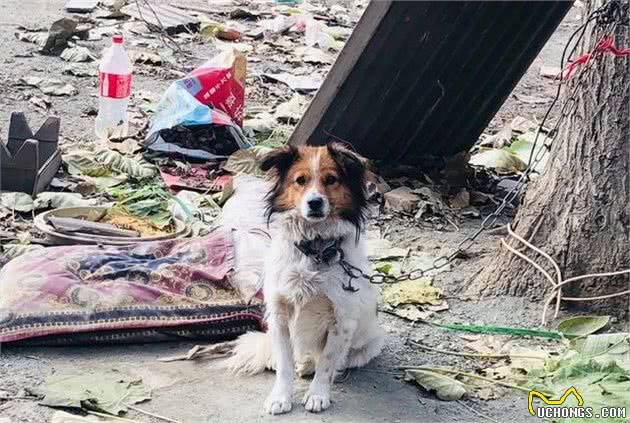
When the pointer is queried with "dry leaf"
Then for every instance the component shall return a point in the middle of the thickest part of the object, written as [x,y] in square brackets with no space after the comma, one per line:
[418,291]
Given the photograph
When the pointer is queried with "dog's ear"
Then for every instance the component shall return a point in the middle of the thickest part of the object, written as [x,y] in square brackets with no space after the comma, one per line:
[349,162]
[279,160]
[353,169]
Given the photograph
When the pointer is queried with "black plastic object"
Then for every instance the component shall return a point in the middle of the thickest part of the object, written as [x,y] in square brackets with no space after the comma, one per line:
[29,162]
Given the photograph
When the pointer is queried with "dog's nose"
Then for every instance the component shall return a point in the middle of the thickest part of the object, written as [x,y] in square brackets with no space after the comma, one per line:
[315,204]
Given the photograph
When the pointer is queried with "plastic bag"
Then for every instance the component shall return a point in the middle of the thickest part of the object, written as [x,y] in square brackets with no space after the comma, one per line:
[199,116]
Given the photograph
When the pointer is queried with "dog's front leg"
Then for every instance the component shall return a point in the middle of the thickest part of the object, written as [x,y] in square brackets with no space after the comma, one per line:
[334,355]
[280,399]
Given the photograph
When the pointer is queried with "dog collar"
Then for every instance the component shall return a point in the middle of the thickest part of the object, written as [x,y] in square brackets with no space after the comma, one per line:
[320,250]
[324,251]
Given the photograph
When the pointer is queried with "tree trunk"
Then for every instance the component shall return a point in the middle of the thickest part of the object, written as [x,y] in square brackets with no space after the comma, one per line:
[578,210]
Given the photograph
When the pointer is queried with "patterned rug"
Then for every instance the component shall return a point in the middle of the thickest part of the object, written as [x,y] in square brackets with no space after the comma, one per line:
[159,291]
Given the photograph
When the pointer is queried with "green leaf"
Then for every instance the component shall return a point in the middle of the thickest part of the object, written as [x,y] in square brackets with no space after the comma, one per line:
[133,167]
[498,158]
[385,268]
[161,220]
[582,325]
[605,346]
[601,384]
[109,391]
[446,388]
[523,146]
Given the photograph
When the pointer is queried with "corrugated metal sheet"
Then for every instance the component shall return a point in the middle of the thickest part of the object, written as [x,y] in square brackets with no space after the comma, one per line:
[159,16]
[420,79]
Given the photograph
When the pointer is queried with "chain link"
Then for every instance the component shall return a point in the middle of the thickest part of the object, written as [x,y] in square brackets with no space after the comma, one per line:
[382,278]
[607,16]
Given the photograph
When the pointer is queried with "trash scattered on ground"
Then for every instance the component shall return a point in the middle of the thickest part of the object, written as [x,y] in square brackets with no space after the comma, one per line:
[301,84]
[79,70]
[109,391]
[77,54]
[80,6]
[50,86]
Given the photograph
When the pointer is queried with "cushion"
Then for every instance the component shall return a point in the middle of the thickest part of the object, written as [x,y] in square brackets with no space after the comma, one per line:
[157,291]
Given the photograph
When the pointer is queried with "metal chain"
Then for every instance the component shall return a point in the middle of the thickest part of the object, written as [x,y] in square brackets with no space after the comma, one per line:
[354,272]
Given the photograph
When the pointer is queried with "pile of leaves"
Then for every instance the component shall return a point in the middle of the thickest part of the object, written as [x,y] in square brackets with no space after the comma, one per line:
[144,210]
[597,366]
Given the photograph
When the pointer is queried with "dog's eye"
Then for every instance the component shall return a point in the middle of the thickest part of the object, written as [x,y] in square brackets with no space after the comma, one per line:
[330,179]
[300,180]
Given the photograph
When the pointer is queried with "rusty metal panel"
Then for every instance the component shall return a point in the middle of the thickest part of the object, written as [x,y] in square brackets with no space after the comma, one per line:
[420,79]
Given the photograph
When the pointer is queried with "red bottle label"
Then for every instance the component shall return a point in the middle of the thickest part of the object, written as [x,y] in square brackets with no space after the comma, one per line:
[112,85]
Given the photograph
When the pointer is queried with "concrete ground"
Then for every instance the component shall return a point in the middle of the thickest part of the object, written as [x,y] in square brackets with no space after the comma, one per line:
[190,392]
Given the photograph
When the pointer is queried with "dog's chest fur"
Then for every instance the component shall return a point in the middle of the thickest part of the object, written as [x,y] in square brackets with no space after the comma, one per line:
[297,277]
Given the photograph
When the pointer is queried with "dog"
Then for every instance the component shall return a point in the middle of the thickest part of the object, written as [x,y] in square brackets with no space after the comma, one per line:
[321,313]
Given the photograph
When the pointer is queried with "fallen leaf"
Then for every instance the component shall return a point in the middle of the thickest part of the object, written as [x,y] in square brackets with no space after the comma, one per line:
[290,110]
[500,139]
[500,159]
[77,54]
[63,417]
[262,122]
[445,388]
[79,70]
[527,359]
[412,313]
[18,201]
[522,125]
[532,99]
[382,249]
[417,291]
[582,325]
[460,200]
[601,384]
[145,57]
[486,345]
[488,393]
[303,84]
[41,102]
[552,72]
[108,391]
[243,162]
[56,200]
[31,37]
[50,86]
[313,55]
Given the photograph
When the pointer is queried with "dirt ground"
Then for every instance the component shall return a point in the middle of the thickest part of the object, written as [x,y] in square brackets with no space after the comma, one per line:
[190,392]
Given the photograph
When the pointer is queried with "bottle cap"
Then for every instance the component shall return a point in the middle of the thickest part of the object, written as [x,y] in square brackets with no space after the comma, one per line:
[117,39]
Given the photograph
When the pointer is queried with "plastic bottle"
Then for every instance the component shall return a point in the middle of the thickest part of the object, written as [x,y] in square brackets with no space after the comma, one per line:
[114,89]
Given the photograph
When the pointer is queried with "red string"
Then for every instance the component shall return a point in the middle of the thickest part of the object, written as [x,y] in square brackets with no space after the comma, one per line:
[605,45]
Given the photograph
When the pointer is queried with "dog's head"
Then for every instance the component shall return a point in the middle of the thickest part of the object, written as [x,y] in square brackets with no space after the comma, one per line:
[317,183]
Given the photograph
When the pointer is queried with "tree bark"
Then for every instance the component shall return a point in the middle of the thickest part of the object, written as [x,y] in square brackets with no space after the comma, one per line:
[578,211]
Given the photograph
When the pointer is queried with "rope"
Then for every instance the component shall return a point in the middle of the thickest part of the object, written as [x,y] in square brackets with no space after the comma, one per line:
[556,291]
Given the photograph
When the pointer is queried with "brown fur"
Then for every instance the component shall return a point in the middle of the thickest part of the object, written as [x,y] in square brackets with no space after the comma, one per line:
[337,192]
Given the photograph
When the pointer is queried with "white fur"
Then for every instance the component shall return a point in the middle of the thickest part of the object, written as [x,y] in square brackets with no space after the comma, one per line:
[314,324]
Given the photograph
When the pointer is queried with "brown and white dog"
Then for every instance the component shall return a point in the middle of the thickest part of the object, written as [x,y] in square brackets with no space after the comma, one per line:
[319,319]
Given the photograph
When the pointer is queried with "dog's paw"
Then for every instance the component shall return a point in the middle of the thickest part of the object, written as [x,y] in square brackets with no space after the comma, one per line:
[316,400]
[278,403]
